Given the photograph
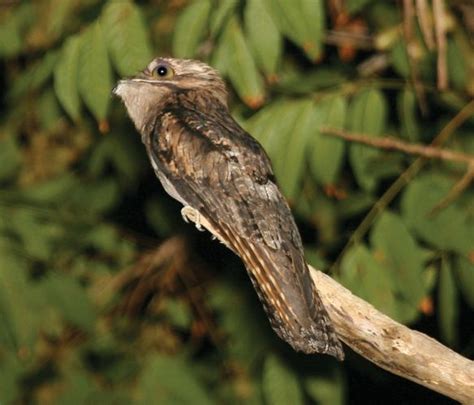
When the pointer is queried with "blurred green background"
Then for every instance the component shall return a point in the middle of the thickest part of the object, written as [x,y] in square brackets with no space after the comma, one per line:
[107,297]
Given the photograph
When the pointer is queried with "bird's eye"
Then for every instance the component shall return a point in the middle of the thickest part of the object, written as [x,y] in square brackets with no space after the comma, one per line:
[163,72]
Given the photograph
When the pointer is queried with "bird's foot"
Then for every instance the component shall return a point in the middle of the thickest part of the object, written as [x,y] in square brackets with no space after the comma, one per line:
[190,214]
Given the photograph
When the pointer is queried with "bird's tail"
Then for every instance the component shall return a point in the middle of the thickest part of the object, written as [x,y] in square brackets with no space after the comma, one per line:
[288,294]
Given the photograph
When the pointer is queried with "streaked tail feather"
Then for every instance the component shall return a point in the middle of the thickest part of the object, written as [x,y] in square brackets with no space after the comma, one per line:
[298,318]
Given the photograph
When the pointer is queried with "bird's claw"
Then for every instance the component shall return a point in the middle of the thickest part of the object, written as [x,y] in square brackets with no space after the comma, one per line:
[189,214]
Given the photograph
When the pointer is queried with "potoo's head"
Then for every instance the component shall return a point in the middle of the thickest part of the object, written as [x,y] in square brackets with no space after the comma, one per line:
[149,90]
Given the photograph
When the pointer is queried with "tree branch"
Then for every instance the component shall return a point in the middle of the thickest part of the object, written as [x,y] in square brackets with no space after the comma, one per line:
[391,143]
[394,347]
[389,195]
[388,344]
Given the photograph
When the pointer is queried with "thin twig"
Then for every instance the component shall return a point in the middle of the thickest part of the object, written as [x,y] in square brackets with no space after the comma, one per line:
[391,143]
[195,296]
[353,87]
[374,64]
[356,40]
[387,197]
[408,14]
[425,21]
[440,29]
[411,47]
[456,190]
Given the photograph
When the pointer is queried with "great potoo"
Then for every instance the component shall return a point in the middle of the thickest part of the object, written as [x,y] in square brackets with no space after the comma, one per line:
[206,161]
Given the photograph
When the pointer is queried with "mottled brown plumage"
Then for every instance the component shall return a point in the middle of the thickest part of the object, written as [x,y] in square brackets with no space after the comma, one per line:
[205,160]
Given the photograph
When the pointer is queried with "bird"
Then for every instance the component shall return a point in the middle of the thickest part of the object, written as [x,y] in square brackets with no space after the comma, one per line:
[223,177]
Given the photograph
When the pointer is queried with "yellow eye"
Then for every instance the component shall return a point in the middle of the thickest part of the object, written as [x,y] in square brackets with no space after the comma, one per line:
[163,72]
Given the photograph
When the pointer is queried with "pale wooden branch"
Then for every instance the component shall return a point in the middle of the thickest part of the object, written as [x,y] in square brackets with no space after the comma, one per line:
[394,347]
[386,343]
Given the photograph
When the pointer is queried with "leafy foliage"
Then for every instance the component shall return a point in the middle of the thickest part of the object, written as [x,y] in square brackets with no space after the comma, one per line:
[102,298]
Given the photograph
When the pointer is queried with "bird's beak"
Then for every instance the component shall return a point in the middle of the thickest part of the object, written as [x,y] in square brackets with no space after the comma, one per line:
[118,89]
[141,76]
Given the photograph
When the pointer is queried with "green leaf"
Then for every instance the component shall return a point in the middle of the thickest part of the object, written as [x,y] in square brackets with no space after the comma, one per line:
[448,304]
[314,17]
[126,37]
[449,228]
[315,258]
[407,107]
[11,373]
[220,58]
[190,29]
[275,132]
[49,110]
[280,385]
[464,271]
[298,82]
[54,190]
[235,308]
[103,237]
[367,115]
[11,40]
[160,217]
[121,152]
[70,299]
[355,6]
[302,21]
[399,57]
[35,76]
[457,66]
[355,204]
[291,154]
[326,390]
[177,312]
[400,255]
[20,316]
[327,152]
[263,37]
[58,16]
[94,198]
[171,380]
[274,129]
[316,207]
[34,231]
[10,156]
[95,77]
[14,23]
[259,122]
[368,279]
[80,389]
[220,13]
[241,66]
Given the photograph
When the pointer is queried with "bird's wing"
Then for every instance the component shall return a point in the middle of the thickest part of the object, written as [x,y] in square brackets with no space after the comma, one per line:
[219,160]
[224,174]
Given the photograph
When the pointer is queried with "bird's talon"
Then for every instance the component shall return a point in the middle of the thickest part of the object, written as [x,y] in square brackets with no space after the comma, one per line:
[189,214]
